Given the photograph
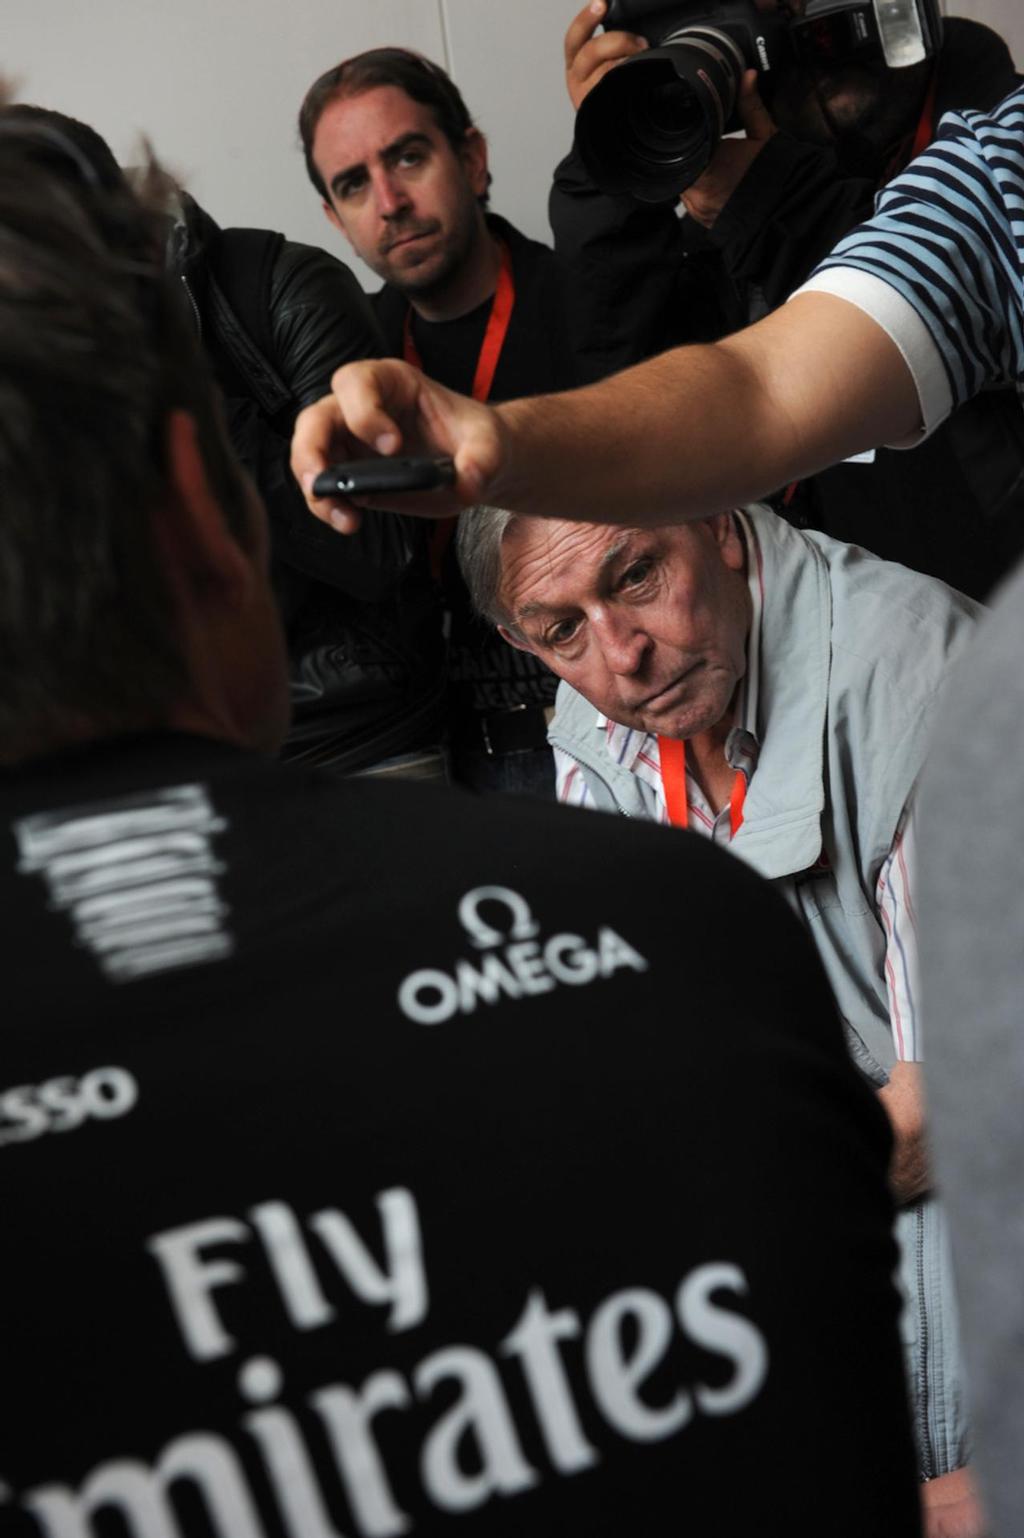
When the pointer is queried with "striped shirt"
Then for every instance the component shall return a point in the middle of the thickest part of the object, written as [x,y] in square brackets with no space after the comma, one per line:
[940,266]
[638,752]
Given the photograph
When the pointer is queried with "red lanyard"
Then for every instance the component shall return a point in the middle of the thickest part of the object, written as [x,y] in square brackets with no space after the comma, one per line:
[672,757]
[494,337]
[490,351]
[926,124]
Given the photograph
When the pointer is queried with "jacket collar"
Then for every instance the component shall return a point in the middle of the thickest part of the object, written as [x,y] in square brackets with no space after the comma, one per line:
[781,832]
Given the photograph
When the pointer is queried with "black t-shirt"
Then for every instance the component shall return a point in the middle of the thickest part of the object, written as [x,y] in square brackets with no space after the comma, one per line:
[486,675]
[375,1160]
[449,350]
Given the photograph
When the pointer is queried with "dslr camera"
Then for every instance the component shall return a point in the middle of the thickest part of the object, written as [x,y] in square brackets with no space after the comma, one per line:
[651,125]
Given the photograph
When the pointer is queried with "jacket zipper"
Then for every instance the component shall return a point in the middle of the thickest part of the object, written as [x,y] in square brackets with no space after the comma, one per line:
[580,764]
[195,307]
[924,1439]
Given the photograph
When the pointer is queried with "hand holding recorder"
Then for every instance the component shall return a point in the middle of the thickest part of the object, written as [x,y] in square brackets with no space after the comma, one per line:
[383,408]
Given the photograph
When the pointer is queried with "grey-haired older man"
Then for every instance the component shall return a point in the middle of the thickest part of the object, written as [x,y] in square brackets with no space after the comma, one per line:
[774,691]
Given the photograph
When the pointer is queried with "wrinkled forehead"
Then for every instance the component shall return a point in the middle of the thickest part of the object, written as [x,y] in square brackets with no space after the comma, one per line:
[550,563]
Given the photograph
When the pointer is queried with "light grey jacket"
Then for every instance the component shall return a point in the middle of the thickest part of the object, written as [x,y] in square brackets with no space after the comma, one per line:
[855,653]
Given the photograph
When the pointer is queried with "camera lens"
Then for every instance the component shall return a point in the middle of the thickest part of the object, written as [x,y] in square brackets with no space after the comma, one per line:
[660,120]
[651,125]
[665,110]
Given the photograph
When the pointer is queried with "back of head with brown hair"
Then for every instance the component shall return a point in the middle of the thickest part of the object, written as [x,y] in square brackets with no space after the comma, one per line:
[94,353]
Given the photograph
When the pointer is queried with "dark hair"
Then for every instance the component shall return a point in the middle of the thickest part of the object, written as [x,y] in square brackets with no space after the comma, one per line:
[94,352]
[66,134]
[421,80]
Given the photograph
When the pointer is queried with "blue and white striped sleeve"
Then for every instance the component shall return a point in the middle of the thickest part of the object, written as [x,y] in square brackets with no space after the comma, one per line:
[947,238]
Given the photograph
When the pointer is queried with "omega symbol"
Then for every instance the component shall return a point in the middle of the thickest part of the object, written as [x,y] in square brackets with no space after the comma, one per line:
[482,935]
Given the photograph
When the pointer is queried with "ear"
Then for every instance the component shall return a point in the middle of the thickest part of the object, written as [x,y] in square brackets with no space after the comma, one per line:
[473,154]
[727,538]
[201,556]
[516,640]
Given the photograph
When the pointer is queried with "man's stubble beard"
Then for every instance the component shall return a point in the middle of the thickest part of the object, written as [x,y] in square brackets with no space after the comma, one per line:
[432,285]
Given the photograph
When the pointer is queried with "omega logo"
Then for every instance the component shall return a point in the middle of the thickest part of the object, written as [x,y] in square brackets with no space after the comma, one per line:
[517,963]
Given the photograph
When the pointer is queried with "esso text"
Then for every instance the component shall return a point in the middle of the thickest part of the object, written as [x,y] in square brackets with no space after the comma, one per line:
[60,1105]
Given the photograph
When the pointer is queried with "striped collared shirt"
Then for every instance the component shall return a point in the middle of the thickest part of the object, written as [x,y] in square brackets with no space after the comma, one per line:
[638,752]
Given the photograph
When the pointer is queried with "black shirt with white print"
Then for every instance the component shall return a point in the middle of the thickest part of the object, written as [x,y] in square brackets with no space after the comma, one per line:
[375,1162]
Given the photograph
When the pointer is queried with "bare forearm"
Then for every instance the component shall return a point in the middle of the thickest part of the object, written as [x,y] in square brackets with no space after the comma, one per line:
[636,447]
[902,1099]
[691,433]
[703,428]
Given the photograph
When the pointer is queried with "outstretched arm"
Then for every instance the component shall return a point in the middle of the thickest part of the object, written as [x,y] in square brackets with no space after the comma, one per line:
[704,428]
[681,436]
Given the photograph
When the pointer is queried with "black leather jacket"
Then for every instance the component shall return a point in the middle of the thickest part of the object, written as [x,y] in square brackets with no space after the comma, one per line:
[276,319]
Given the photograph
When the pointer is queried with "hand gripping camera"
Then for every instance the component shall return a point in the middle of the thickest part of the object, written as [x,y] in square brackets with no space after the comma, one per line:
[651,125]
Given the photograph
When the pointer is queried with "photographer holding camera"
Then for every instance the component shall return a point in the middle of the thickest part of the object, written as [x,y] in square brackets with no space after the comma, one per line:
[765,209]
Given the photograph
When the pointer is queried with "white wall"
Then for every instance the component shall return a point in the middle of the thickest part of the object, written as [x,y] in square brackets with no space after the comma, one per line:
[217,84]
[1004,16]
